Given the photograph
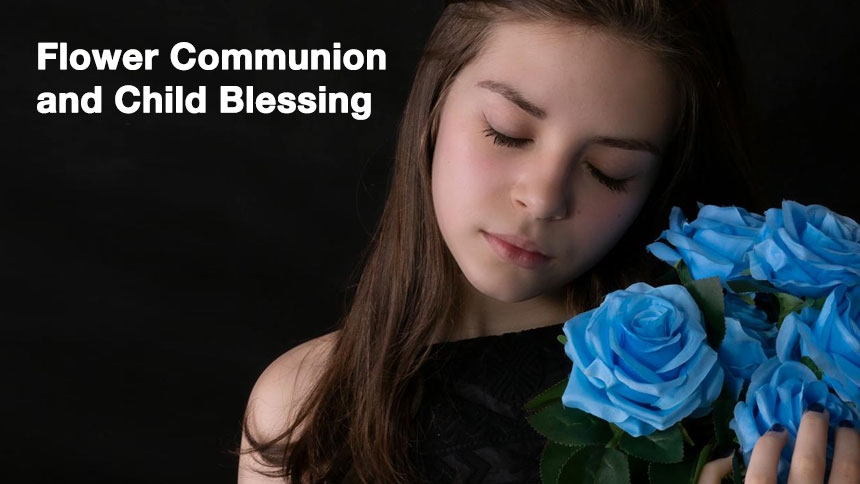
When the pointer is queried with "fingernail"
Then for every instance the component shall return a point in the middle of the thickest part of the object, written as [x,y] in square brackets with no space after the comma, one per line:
[816,407]
[777,427]
[847,423]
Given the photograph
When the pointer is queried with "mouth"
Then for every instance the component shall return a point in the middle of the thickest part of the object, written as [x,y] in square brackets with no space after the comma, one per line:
[515,250]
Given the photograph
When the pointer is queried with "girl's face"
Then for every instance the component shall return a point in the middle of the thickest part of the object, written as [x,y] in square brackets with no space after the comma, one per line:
[533,136]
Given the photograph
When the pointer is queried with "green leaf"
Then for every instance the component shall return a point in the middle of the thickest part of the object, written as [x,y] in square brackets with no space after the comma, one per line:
[812,366]
[596,465]
[751,285]
[708,294]
[666,446]
[549,395]
[553,458]
[562,339]
[569,426]
[787,305]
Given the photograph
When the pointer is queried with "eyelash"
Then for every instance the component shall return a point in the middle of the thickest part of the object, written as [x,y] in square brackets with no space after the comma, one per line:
[500,139]
[613,184]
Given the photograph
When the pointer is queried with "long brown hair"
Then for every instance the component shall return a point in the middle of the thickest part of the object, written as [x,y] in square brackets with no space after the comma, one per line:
[357,420]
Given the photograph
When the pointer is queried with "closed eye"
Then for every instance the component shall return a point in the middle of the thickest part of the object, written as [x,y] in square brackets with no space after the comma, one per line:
[613,184]
[500,139]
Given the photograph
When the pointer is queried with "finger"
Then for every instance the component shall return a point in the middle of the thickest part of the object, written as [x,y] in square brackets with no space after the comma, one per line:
[810,449]
[714,471]
[845,468]
[765,456]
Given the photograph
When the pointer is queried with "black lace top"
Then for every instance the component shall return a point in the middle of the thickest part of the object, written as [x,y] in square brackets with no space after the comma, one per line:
[471,424]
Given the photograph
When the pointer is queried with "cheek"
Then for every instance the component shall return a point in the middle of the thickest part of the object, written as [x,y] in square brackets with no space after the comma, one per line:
[601,219]
[465,178]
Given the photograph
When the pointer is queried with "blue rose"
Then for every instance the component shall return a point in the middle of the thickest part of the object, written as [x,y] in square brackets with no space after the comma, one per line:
[717,243]
[830,337]
[749,341]
[641,360]
[780,392]
[807,250]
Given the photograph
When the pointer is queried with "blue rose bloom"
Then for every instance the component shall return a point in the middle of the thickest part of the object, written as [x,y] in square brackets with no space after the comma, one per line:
[749,341]
[807,250]
[641,360]
[830,337]
[780,392]
[716,243]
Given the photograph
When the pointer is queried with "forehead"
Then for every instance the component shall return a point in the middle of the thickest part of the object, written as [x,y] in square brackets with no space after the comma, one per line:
[579,74]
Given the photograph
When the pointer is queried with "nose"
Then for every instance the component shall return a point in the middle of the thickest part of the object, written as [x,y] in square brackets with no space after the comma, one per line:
[543,192]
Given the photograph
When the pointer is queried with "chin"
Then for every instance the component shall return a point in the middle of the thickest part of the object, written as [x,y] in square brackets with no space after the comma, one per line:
[504,290]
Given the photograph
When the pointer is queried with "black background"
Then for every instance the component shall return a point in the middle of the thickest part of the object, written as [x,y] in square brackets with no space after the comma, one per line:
[154,264]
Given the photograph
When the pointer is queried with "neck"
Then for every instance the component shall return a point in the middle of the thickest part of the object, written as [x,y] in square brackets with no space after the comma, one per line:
[481,315]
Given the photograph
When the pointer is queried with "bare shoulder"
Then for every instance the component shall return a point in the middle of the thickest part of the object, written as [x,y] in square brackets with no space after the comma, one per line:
[285,381]
[277,394]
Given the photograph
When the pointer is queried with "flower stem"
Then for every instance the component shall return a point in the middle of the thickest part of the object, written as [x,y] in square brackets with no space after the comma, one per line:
[686,436]
[617,433]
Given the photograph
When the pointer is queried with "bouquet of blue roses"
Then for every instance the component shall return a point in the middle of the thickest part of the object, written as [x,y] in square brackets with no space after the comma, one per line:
[758,320]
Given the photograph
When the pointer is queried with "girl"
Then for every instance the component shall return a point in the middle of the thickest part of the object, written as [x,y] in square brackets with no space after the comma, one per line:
[541,148]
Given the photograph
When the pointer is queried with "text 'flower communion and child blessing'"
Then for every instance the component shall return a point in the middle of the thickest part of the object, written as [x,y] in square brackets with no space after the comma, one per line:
[184,56]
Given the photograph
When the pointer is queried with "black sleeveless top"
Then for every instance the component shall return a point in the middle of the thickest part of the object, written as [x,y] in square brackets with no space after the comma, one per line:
[471,426]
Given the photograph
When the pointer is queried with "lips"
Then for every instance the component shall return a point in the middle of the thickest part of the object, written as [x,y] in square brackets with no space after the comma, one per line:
[520,243]
[514,254]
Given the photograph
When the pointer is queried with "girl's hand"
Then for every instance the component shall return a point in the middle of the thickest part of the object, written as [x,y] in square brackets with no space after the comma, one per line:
[807,462]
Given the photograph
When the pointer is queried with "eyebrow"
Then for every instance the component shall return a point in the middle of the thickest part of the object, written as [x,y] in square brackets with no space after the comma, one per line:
[631,144]
[514,96]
